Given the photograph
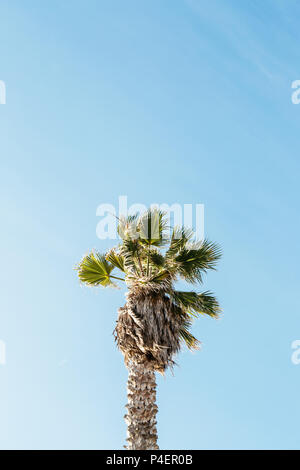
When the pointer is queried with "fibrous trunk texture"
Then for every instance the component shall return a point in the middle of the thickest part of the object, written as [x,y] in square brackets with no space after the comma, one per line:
[147,333]
[147,330]
[141,408]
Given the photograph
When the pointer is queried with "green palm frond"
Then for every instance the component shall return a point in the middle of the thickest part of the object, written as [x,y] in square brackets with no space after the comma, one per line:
[151,226]
[195,259]
[157,260]
[162,275]
[129,251]
[180,237]
[195,304]
[187,337]
[95,270]
[115,259]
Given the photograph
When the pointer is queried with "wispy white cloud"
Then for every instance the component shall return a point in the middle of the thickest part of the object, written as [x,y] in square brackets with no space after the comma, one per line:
[260,34]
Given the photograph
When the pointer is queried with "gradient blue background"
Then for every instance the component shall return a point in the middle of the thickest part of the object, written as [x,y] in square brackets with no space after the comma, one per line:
[163,101]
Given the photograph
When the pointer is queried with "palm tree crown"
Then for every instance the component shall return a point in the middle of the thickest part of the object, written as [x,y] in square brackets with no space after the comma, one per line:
[156,318]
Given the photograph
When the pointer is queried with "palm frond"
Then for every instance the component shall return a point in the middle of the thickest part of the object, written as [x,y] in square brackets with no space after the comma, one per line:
[195,259]
[179,238]
[127,227]
[151,226]
[129,250]
[187,337]
[197,304]
[95,270]
[160,276]
[115,259]
[157,260]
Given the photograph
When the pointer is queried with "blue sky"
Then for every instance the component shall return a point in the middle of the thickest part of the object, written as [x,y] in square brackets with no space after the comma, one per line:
[162,101]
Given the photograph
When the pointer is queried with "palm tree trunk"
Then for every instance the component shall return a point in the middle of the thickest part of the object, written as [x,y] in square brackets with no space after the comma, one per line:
[141,408]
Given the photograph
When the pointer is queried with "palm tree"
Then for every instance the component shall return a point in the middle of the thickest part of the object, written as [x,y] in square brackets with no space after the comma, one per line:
[156,318]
